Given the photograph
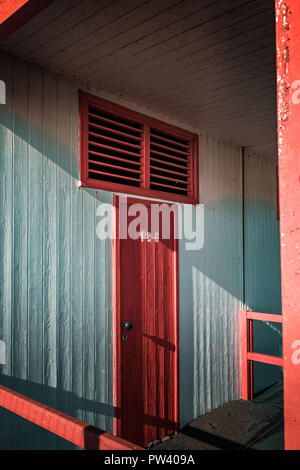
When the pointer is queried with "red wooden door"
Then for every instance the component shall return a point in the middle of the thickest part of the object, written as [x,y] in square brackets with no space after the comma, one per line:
[147,354]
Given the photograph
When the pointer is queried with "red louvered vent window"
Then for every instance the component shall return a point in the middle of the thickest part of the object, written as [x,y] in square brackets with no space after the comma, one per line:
[124,151]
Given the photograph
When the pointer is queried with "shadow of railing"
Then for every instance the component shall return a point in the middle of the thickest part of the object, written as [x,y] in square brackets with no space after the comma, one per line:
[71,429]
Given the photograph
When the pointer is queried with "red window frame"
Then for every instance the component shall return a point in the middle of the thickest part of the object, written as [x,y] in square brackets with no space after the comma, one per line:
[85,99]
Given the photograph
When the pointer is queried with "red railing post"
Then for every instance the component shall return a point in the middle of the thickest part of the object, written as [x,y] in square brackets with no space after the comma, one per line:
[244,355]
[288,75]
[250,364]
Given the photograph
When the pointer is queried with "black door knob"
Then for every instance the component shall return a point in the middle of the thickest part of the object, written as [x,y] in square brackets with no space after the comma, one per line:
[127,325]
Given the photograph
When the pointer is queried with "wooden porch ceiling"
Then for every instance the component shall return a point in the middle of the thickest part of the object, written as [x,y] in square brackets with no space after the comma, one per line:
[207,63]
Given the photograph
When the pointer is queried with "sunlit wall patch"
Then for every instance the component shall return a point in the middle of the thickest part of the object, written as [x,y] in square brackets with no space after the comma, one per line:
[2,353]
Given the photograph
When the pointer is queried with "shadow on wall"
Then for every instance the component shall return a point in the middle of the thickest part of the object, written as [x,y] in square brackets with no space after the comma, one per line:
[21,432]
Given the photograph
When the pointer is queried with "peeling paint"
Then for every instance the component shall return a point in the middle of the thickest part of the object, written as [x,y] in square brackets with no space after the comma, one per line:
[283,13]
[288,69]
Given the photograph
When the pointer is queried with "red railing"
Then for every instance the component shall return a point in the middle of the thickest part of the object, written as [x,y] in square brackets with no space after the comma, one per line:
[247,353]
[69,428]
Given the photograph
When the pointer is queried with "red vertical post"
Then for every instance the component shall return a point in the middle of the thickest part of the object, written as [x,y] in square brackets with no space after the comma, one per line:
[244,355]
[288,93]
[250,363]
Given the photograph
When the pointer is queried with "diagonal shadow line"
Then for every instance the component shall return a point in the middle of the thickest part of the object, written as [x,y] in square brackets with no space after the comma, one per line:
[274,426]
[212,439]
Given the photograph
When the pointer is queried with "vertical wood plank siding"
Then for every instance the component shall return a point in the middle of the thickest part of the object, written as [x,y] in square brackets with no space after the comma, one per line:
[210,283]
[55,275]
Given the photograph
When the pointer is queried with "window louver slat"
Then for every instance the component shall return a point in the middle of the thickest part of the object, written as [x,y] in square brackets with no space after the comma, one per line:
[114,141]
[163,162]
[119,159]
[167,170]
[168,156]
[168,138]
[134,138]
[116,167]
[112,121]
[114,148]
[171,179]
[167,149]
[115,176]
[161,186]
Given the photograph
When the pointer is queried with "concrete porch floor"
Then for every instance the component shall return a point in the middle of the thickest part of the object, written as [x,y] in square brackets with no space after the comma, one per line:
[238,425]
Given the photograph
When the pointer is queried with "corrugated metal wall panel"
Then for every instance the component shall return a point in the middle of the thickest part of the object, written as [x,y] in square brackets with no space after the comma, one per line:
[211,287]
[262,259]
[6,239]
[55,273]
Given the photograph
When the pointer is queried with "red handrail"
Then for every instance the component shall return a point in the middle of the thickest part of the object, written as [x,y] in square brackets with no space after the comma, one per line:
[61,424]
[248,356]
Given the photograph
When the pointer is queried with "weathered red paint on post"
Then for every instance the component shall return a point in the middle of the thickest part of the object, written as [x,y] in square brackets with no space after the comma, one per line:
[288,73]
[15,13]
[246,347]
[250,362]
[61,424]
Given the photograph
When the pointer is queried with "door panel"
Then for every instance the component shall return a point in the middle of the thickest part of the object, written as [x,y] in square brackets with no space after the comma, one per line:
[147,361]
